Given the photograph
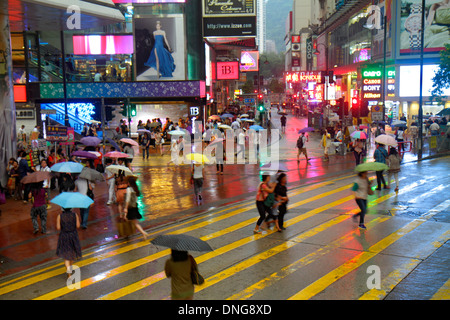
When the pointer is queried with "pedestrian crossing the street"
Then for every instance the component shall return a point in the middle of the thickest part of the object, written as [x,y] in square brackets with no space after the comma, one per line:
[322,254]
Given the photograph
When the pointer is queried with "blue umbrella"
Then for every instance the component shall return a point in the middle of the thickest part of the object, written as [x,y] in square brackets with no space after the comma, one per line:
[256,128]
[226,115]
[67,167]
[307,129]
[115,145]
[72,200]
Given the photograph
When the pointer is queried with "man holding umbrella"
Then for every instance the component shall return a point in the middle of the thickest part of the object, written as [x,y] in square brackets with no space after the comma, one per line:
[301,146]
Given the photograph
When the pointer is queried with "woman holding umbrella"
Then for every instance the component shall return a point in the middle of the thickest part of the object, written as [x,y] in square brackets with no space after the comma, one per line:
[360,189]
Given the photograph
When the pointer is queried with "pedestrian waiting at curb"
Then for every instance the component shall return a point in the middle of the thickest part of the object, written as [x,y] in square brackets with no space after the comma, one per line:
[282,198]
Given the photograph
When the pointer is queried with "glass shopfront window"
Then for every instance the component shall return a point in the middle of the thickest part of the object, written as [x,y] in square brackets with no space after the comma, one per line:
[351,42]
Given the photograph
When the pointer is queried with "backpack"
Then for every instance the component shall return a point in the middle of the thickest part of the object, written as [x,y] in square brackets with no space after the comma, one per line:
[300,142]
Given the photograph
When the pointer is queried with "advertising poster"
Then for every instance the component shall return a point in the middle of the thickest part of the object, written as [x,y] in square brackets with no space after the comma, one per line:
[160,48]
[229,7]
[437,23]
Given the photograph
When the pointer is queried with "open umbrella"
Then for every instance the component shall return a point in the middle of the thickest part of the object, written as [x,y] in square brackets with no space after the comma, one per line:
[386,140]
[176,133]
[224,126]
[256,128]
[359,135]
[307,129]
[72,200]
[116,154]
[143,131]
[129,141]
[84,154]
[444,112]
[397,123]
[248,120]
[226,115]
[91,174]
[371,166]
[35,177]
[215,117]
[113,143]
[67,167]
[90,141]
[244,115]
[197,157]
[181,242]
[117,169]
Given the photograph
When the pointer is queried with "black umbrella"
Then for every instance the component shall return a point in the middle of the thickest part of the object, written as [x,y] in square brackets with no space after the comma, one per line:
[91,174]
[181,242]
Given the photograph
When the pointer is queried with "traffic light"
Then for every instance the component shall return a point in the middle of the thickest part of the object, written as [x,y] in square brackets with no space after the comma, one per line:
[124,110]
[132,110]
[355,103]
[261,107]
[260,96]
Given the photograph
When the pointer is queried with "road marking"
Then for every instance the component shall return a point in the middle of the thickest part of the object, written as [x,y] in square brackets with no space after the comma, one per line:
[396,276]
[152,279]
[293,267]
[443,293]
[134,264]
[321,284]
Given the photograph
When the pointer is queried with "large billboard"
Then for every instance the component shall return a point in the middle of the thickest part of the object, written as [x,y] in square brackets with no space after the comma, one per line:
[160,48]
[437,23]
[410,80]
[230,18]
[229,8]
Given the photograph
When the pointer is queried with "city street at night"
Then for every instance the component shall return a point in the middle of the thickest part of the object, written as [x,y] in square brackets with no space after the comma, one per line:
[247,155]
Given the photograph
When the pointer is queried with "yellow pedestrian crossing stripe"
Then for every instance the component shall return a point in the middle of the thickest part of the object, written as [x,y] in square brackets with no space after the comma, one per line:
[223,216]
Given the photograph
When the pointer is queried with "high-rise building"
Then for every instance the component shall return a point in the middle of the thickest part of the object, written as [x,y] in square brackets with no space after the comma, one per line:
[261,25]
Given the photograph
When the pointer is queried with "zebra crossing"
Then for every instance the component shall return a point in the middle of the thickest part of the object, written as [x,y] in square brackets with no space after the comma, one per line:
[321,255]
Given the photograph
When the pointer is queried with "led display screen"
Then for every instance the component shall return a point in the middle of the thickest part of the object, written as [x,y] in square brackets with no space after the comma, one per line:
[102,44]
[410,81]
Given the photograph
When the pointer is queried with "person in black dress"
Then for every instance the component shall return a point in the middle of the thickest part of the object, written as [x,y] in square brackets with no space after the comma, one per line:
[281,196]
[68,247]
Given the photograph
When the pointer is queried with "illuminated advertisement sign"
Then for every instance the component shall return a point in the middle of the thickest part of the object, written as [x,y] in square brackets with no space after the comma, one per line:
[229,7]
[227,70]
[102,44]
[249,61]
[160,48]
[148,1]
[410,81]
[436,27]
[372,84]
[303,76]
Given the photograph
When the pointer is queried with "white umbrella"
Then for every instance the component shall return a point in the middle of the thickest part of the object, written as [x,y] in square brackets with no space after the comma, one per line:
[176,133]
[117,168]
[244,115]
[386,140]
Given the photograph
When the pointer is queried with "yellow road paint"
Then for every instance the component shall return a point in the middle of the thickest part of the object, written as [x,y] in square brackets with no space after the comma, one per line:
[443,293]
[295,266]
[106,275]
[336,274]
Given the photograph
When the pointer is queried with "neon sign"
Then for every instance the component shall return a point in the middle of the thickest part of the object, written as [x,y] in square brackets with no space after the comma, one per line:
[303,76]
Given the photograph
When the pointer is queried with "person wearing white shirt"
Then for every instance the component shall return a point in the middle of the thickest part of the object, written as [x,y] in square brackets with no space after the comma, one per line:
[434,128]
[241,142]
[82,186]
[111,181]
[46,185]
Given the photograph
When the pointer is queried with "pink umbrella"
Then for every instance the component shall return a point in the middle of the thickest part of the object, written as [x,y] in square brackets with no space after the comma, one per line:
[116,154]
[129,141]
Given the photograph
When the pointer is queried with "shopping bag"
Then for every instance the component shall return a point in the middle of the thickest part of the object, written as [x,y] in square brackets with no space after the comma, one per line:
[125,227]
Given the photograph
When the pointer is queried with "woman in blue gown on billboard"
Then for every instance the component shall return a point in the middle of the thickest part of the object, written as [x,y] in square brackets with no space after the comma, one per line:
[160,58]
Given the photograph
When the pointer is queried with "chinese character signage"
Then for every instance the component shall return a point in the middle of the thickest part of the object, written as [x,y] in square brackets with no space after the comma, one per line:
[303,76]
[57,133]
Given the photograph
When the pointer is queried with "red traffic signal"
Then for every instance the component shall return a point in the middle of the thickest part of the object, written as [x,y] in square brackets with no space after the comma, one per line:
[355,102]
[260,96]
